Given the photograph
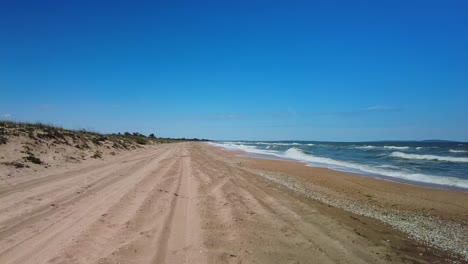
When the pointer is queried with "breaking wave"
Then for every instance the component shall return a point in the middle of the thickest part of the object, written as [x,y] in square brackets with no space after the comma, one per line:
[395,147]
[458,151]
[366,147]
[402,155]
[299,155]
[380,163]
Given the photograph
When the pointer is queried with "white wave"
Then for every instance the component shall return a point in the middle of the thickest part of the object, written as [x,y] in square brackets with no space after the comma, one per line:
[366,147]
[244,148]
[297,154]
[433,147]
[269,143]
[235,142]
[260,143]
[395,147]
[310,144]
[402,155]
[336,164]
[388,166]
[286,144]
[458,151]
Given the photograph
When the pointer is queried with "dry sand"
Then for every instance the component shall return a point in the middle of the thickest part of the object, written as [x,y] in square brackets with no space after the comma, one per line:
[193,203]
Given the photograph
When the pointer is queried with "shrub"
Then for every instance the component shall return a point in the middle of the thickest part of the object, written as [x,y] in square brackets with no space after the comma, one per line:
[97,155]
[96,141]
[124,145]
[31,135]
[33,159]
[3,140]
[141,141]
[15,164]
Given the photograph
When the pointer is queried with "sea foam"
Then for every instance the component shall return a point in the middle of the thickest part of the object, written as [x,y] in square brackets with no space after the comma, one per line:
[366,147]
[273,143]
[299,155]
[402,155]
[457,151]
[395,147]
[245,148]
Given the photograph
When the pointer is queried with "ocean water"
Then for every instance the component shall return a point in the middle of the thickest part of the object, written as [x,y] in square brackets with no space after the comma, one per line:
[434,164]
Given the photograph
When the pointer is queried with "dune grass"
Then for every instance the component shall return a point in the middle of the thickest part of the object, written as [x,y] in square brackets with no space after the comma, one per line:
[39,130]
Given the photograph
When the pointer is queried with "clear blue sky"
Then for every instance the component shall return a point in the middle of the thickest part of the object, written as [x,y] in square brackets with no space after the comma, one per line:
[317,70]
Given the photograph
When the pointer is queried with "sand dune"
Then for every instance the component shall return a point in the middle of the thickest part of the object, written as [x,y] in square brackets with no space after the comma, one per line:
[184,203]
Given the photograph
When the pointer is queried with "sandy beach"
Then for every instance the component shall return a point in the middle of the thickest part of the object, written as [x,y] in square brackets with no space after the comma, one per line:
[195,203]
[169,132]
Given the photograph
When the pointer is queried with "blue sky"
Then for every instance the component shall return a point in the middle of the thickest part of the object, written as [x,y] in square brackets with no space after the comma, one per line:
[259,70]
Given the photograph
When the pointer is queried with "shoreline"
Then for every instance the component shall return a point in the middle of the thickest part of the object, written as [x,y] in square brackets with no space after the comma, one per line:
[369,175]
[425,180]
[434,217]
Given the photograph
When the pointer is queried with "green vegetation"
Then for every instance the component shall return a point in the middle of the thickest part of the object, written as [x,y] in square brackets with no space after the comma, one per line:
[81,139]
[97,155]
[30,156]
[39,138]
[15,164]
[141,141]
[98,140]
[33,159]
[3,140]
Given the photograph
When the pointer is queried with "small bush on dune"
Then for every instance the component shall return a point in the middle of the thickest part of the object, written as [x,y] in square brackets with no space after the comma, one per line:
[79,138]
[141,141]
[51,133]
[97,155]
[98,139]
[15,164]
[33,159]
[31,135]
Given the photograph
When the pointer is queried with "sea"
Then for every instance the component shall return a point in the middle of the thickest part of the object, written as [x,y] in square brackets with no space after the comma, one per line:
[442,165]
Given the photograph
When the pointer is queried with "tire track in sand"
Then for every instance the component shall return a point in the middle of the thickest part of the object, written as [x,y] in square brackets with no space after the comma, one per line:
[47,237]
[180,238]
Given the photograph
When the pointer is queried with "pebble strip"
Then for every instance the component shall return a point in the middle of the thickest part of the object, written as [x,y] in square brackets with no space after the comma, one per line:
[447,235]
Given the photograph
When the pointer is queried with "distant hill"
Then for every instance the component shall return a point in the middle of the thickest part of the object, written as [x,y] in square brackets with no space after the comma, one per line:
[426,141]
[439,140]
